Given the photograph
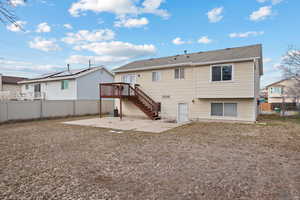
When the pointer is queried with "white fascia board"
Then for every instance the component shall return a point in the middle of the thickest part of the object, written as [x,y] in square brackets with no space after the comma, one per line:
[186,64]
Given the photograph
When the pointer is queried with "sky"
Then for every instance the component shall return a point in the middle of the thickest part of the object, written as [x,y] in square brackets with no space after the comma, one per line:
[115,32]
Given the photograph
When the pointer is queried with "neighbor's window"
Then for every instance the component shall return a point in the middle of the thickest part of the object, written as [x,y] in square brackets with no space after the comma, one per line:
[179,73]
[276,90]
[224,109]
[156,76]
[64,84]
[221,73]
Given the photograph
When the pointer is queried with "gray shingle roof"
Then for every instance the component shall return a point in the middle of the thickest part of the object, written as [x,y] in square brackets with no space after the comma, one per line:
[229,54]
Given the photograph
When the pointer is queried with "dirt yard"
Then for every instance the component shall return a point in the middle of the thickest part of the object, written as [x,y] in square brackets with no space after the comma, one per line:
[50,160]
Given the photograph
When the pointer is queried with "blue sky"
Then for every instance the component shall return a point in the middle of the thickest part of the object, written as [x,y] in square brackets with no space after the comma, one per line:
[113,32]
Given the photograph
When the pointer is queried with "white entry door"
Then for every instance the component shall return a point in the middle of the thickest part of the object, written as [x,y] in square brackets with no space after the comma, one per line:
[183,114]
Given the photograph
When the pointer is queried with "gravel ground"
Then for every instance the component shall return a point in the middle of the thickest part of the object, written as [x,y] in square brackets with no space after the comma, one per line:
[50,160]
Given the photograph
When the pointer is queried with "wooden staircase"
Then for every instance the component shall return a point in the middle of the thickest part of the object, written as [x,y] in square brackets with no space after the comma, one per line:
[134,94]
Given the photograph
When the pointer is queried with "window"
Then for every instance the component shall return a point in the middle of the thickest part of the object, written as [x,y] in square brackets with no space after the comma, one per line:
[230,109]
[224,109]
[26,86]
[276,90]
[129,78]
[64,84]
[179,73]
[217,109]
[156,76]
[221,73]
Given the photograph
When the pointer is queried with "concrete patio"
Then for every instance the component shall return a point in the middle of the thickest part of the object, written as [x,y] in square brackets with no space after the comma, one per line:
[134,124]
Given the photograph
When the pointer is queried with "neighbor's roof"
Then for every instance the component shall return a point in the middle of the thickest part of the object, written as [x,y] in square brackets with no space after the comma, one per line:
[244,53]
[12,79]
[278,82]
[66,74]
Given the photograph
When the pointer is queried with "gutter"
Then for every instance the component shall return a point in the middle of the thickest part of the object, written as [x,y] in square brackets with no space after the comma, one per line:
[188,64]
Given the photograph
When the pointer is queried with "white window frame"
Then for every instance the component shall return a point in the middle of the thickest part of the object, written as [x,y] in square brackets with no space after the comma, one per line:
[133,75]
[222,65]
[158,76]
[179,74]
[237,113]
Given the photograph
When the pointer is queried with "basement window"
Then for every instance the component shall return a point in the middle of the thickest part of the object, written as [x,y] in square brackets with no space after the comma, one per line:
[224,109]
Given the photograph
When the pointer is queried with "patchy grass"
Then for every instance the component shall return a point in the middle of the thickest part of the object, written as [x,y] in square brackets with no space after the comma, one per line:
[50,160]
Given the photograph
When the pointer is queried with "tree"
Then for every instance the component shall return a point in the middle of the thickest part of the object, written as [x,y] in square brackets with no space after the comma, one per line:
[291,70]
[7,14]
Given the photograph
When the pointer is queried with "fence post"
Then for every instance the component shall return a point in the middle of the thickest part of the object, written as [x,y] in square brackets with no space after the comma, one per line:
[7,111]
[74,107]
[41,108]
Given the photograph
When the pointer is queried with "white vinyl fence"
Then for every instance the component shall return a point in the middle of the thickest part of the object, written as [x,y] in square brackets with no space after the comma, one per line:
[23,110]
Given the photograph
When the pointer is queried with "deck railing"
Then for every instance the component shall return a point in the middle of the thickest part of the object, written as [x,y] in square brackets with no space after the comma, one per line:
[125,90]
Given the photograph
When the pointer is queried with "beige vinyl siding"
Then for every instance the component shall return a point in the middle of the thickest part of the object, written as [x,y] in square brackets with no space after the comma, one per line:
[195,85]
[241,86]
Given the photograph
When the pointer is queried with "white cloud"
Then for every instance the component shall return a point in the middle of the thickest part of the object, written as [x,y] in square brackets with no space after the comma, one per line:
[267,60]
[118,7]
[90,36]
[178,41]
[99,60]
[17,27]
[204,40]
[16,3]
[44,45]
[152,6]
[215,15]
[274,2]
[22,66]
[261,14]
[118,49]
[246,34]
[43,28]
[131,22]
[13,62]
[68,26]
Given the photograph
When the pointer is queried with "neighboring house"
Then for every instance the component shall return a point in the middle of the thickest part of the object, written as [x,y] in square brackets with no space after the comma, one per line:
[79,84]
[217,85]
[9,87]
[285,91]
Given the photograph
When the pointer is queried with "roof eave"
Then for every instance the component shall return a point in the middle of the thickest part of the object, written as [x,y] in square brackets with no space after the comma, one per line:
[186,64]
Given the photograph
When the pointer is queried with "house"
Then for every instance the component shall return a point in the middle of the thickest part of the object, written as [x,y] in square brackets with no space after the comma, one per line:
[284,91]
[77,84]
[216,85]
[9,86]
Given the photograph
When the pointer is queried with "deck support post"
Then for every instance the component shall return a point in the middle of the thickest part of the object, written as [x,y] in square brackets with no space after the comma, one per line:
[100,107]
[121,113]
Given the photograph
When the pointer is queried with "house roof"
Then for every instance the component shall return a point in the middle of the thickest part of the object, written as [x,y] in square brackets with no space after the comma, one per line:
[200,58]
[12,79]
[278,82]
[66,74]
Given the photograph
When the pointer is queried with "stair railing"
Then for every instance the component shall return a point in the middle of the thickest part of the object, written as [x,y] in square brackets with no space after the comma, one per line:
[145,99]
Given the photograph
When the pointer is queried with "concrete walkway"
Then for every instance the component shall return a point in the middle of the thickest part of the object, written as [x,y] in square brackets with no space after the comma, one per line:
[134,124]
